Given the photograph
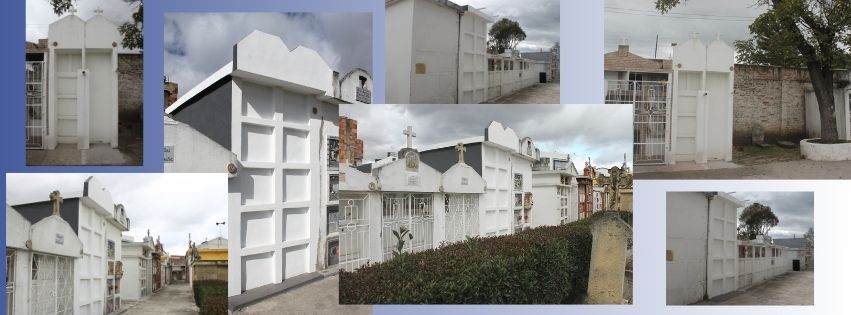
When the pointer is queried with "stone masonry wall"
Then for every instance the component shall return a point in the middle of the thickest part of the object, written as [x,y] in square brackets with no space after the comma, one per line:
[772,97]
[130,86]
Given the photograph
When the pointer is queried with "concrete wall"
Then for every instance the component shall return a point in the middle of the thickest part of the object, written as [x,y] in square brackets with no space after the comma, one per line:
[398,29]
[505,82]
[435,47]
[192,151]
[130,86]
[555,203]
[686,244]
[759,264]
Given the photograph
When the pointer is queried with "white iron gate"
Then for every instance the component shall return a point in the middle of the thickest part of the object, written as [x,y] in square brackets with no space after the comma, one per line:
[412,211]
[353,225]
[650,101]
[462,216]
[35,117]
[52,286]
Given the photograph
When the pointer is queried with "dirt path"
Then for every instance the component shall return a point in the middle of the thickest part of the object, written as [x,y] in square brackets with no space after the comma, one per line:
[793,288]
[546,93]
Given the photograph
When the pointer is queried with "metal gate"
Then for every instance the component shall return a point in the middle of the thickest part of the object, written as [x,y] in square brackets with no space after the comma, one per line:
[52,286]
[35,118]
[412,211]
[462,216]
[650,101]
[10,280]
[353,225]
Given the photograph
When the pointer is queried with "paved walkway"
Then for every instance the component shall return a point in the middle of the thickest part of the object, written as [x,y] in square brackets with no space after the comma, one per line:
[539,93]
[793,288]
[800,169]
[320,297]
[128,152]
[175,298]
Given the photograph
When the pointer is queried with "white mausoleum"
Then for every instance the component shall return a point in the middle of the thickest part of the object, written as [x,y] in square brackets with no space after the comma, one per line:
[82,105]
[95,273]
[270,119]
[704,258]
[436,52]
[481,186]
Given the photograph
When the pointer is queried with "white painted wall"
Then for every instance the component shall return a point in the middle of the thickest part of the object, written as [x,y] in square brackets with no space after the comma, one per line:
[83,82]
[350,83]
[435,44]
[552,198]
[505,82]
[702,107]
[192,151]
[398,34]
[132,256]
[697,231]
[281,118]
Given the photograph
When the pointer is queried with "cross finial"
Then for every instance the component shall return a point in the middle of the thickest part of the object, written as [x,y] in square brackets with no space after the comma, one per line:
[98,11]
[461,149]
[73,11]
[56,198]
[411,134]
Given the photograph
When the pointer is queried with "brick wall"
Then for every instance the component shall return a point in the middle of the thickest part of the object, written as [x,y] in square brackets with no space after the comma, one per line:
[130,86]
[772,97]
[349,137]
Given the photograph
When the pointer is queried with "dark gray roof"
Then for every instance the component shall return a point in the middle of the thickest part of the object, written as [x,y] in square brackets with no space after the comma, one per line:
[798,242]
[539,56]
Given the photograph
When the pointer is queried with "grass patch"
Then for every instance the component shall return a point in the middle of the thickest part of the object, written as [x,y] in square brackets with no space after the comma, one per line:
[753,155]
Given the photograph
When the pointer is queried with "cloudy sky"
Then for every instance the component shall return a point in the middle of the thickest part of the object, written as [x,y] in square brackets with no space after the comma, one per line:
[794,209]
[603,132]
[637,22]
[198,44]
[40,14]
[538,18]
[170,205]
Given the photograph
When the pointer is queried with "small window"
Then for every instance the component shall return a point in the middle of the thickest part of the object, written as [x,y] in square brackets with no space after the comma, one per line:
[518,181]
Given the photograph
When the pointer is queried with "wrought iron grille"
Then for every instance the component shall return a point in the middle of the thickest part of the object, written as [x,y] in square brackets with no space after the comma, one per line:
[35,107]
[353,225]
[650,101]
[415,213]
[462,216]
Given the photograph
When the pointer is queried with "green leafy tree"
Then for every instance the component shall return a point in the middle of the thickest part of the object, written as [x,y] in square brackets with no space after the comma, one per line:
[814,34]
[756,219]
[505,34]
[130,31]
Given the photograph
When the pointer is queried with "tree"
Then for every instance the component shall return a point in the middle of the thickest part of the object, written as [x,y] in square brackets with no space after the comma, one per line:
[811,33]
[504,34]
[131,31]
[756,219]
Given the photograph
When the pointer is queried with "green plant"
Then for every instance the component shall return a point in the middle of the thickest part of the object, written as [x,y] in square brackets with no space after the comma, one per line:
[204,290]
[214,306]
[400,240]
[546,265]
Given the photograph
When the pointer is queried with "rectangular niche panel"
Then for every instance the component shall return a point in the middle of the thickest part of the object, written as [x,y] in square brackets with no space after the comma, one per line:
[296,185]
[295,261]
[257,101]
[296,224]
[258,270]
[296,146]
[257,186]
[296,107]
[258,143]
[258,228]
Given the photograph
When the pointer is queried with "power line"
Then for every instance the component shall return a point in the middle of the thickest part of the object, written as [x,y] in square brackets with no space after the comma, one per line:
[708,18]
[683,14]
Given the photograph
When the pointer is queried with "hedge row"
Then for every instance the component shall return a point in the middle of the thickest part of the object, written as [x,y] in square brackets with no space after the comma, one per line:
[211,296]
[547,265]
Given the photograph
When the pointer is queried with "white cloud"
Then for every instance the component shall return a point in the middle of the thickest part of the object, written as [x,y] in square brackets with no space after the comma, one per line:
[170,205]
[198,44]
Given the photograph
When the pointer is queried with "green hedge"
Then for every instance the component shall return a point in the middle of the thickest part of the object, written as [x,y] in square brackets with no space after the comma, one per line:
[211,296]
[214,306]
[547,265]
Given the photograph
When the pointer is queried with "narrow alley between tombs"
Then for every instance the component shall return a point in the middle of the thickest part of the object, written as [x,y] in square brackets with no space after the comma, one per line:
[173,299]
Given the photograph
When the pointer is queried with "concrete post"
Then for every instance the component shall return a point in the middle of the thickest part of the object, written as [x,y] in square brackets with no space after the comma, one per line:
[608,259]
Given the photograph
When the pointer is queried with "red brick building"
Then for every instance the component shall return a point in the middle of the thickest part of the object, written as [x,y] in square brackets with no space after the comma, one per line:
[351,148]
